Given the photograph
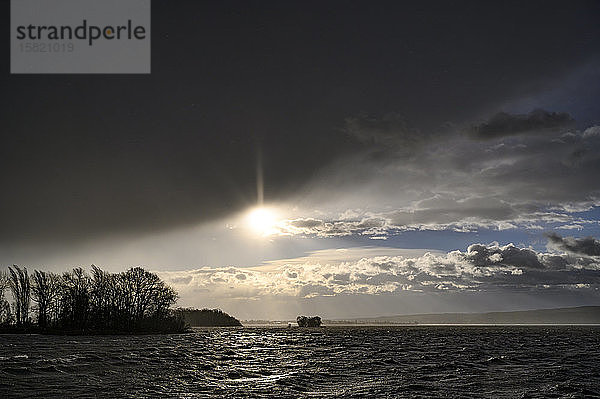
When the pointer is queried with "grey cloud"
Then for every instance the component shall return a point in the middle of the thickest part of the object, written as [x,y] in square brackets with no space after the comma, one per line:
[311,290]
[555,262]
[524,181]
[291,274]
[460,218]
[584,246]
[484,256]
[335,228]
[504,124]
[306,223]
[341,277]
[391,131]
[452,210]
[182,280]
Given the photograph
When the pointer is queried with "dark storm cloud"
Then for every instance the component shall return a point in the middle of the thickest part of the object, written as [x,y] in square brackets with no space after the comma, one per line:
[391,131]
[484,256]
[93,156]
[537,121]
[583,246]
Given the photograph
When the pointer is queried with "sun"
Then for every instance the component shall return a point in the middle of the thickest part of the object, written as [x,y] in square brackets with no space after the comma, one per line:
[262,221]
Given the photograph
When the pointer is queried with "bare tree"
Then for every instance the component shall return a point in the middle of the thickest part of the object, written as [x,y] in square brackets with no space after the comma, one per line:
[21,289]
[152,297]
[141,295]
[45,291]
[75,298]
[5,314]
[101,297]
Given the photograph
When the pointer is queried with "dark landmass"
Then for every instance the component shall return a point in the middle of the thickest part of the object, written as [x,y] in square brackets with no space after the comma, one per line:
[80,303]
[576,315]
[207,318]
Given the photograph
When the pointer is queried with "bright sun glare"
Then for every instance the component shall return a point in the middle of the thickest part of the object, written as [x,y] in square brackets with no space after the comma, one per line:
[262,221]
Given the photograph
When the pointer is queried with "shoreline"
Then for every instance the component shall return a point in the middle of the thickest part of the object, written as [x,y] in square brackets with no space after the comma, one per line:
[276,325]
[38,331]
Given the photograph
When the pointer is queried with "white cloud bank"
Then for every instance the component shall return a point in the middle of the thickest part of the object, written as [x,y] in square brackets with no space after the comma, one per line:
[481,269]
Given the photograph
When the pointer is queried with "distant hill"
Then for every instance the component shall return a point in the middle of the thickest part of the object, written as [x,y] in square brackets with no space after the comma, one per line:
[208,318]
[577,315]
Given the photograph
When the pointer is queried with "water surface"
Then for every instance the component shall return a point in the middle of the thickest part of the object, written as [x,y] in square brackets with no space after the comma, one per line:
[407,361]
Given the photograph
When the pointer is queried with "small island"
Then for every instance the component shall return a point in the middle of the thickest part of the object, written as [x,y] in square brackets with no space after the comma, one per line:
[207,318]
[304,321]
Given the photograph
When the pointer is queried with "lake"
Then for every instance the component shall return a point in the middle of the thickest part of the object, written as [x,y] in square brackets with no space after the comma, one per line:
[382,361]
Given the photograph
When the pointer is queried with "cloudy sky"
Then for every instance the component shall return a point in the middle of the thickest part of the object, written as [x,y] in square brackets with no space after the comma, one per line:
[345,158]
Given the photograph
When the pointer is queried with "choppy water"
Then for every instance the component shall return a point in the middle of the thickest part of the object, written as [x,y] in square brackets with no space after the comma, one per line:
[498,362]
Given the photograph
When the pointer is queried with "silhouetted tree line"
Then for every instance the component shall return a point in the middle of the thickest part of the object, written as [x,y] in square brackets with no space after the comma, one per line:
[303,321]
[207,318]
[131,301]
